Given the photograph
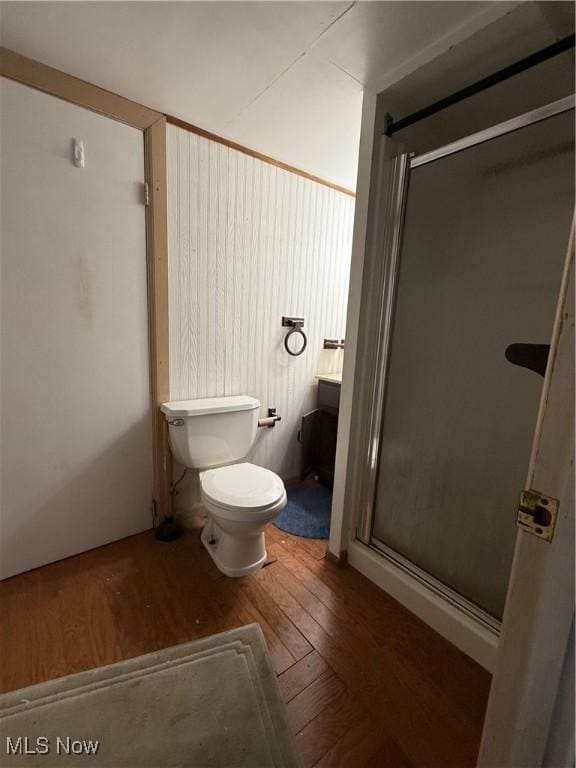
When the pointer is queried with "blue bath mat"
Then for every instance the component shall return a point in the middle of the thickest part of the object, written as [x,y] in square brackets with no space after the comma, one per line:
[307,512]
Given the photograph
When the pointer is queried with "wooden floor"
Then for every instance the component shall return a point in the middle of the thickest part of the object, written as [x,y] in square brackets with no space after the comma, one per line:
[365,682]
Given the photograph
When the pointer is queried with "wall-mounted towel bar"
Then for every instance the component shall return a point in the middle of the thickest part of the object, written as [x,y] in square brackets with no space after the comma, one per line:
[333,344]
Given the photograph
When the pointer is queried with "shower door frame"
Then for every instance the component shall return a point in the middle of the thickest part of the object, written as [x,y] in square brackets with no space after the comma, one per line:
[390,247]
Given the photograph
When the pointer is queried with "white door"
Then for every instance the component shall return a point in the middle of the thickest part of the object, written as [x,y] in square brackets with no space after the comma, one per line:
[76,445]
[530,717]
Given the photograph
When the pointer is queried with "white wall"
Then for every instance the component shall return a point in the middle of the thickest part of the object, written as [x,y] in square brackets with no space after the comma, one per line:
[248,243]
[76,469]
[340,521]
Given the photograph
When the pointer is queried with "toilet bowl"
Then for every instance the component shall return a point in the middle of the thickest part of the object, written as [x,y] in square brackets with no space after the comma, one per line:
[240,498]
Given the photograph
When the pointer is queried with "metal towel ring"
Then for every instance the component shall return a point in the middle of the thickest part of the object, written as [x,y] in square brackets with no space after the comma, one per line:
[295,329]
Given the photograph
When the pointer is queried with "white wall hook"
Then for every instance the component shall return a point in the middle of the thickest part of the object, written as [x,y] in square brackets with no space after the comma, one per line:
[78,154]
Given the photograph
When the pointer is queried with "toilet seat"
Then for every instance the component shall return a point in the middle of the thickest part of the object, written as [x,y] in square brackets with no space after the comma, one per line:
[243,488]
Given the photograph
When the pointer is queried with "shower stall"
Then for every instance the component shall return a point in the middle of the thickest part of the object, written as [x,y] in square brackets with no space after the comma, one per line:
[472,239]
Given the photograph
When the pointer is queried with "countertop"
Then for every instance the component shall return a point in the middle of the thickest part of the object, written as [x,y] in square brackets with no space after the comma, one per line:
[334,378]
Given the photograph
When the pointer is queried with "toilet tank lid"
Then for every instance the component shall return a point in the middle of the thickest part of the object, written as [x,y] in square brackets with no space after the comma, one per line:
[181,408]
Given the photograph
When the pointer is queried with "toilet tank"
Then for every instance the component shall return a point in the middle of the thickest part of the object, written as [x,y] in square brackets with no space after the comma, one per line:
[212,431]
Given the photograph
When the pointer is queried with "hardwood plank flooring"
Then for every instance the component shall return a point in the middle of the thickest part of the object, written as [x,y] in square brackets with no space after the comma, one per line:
[365,682]
[301,675]
[328,727]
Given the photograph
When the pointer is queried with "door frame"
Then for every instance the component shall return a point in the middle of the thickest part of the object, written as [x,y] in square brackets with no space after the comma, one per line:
[153,126]
[380,288]
[392,192]
[465,625]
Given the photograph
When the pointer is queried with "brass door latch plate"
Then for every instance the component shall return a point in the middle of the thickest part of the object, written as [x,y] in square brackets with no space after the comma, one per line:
[537,514]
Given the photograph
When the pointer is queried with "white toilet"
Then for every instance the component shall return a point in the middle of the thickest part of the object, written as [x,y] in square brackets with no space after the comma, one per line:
[240,498]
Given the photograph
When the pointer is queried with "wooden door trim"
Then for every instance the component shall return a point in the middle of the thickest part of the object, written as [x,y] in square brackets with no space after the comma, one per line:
[157,249]
[153,125]
[44,78]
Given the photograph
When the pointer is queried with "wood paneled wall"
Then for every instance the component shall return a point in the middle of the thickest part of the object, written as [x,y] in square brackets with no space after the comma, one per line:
[248,243]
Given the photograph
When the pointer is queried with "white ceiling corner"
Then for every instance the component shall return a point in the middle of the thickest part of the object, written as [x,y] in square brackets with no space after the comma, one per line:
[284,78]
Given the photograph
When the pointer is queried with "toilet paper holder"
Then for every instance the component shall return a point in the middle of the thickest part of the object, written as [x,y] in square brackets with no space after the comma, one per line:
[270,420]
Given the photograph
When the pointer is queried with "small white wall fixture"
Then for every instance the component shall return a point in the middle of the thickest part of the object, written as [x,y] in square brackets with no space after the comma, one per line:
[78,153]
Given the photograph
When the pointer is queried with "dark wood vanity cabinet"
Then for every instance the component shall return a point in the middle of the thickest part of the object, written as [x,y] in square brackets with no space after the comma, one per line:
[329,396]
[318,434]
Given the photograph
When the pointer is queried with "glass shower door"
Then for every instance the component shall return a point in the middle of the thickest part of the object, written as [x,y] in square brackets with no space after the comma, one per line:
[484,242]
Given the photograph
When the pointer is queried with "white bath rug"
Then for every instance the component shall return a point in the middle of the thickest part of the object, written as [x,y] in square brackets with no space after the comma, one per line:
[211,703]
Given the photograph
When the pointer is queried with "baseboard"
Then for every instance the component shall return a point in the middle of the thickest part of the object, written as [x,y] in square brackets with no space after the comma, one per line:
[462,630]
[339,560]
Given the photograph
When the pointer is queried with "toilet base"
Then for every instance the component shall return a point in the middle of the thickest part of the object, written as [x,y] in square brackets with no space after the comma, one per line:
[234,556]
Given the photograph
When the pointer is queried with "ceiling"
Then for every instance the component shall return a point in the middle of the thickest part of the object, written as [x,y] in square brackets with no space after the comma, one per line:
[283,78]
